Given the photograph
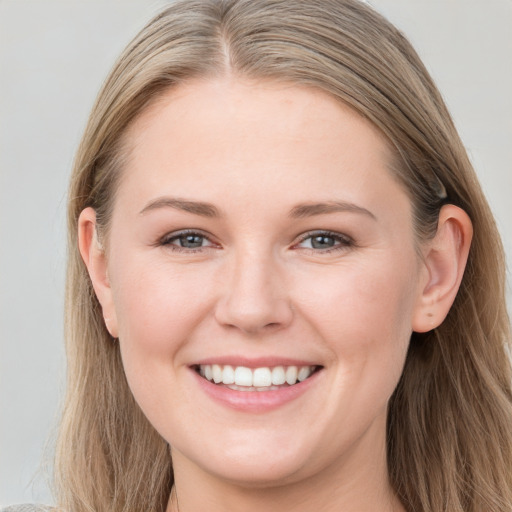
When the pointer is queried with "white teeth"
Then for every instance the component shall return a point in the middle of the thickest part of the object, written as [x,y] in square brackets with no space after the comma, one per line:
[243,376]
[228,375]
[291,375]
[262,377]
[251,388]
[278,376]
[216,373]
[304,373]
[257,379]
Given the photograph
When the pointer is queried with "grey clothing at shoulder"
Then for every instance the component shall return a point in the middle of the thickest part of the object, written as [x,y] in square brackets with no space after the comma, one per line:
[26,508]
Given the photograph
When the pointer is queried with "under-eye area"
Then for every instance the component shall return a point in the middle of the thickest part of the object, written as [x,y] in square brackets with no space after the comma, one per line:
[242,378]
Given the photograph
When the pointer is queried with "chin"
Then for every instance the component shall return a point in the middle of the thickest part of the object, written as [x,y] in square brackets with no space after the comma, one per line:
[259,474]
[270,463]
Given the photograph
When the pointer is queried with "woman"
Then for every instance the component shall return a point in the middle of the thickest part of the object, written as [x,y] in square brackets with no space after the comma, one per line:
[285,288]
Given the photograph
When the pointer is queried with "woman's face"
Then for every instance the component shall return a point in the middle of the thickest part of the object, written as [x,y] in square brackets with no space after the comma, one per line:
[258,235]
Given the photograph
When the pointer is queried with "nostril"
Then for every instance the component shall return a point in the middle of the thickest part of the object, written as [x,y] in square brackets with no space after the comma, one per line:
[253,316]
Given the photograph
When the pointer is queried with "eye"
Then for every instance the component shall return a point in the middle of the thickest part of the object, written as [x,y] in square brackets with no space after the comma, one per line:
[325,241]
[187,240]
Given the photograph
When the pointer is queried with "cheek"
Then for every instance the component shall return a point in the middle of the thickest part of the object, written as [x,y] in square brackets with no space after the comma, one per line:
[158,309]
[373,296]
[158,305]
[365,315]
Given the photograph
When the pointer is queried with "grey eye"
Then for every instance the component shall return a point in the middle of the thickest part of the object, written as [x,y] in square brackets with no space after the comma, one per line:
[322,242]
[190,241]
[325,240]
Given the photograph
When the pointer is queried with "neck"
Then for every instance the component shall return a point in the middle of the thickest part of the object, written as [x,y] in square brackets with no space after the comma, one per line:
[355,484]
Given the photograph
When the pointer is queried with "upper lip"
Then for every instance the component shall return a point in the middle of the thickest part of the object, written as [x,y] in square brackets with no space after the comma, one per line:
[258,362]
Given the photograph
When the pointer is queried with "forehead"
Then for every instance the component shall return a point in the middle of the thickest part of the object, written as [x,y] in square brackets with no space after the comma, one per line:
[200,108]
[218,138]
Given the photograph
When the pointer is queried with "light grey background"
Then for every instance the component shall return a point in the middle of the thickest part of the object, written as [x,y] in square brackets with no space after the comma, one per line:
[53,57]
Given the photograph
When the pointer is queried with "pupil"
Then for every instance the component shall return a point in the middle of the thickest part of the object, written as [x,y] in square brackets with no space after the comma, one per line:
[191,241]
[322,241]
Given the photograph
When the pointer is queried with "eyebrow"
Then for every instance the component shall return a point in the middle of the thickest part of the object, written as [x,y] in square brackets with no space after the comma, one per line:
[300,211]
[195,207]
[310,209]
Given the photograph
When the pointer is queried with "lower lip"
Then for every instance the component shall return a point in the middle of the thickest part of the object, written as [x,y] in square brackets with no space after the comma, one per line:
[255,401]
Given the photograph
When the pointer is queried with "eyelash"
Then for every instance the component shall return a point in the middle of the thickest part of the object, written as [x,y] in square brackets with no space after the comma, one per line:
[168,239]
[343,242]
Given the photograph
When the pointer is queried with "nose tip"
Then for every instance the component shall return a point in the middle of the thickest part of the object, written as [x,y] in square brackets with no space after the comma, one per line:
[255,300]
[273,315]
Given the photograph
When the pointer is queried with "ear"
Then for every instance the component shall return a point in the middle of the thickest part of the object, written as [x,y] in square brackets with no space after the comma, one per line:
[95,260]
[445,258]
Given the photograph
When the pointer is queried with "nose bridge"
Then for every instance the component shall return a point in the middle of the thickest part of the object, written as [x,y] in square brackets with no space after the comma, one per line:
[255,295]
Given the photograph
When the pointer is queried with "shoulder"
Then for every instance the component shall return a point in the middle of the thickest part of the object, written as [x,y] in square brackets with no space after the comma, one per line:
[26,508]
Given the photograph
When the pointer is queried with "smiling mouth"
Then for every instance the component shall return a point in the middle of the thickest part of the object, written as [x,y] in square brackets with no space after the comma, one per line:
[241,378]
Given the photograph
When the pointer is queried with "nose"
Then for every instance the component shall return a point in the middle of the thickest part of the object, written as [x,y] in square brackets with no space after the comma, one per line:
[254,298]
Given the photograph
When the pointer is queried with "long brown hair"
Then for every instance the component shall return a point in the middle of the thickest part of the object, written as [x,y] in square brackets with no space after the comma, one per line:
[450,418]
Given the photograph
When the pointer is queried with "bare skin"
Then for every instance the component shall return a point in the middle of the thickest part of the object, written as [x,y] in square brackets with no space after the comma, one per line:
[258,223]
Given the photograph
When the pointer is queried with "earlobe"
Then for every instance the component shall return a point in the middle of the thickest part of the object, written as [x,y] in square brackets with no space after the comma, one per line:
[94,257]
[444,262]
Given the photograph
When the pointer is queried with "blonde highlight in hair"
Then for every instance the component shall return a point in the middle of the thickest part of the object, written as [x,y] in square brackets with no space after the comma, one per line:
[449,420]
